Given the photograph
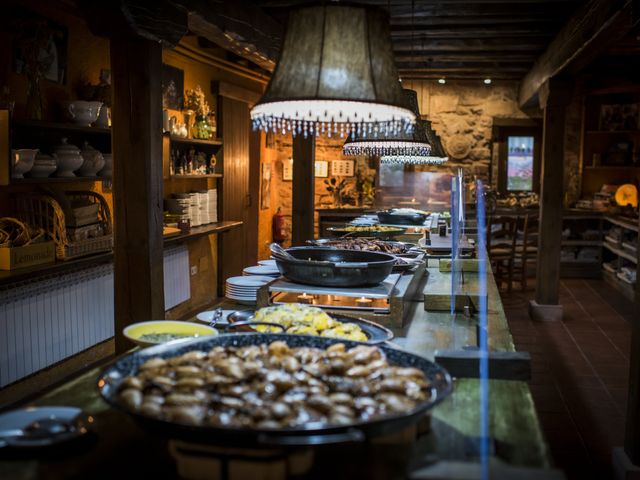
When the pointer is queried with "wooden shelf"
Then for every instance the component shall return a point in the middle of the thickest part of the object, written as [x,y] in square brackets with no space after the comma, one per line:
[622,223]
[194,176]
[196,141]
[620,253]
[60,266]
[581,243]
[60,126]
[56,268]
[20,181]
[203,230]
[625,288]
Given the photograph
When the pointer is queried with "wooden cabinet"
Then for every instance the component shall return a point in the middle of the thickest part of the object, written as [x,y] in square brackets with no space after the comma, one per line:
[611,140]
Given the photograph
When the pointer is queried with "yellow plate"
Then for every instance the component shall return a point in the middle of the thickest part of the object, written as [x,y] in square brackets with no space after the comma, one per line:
[135,331]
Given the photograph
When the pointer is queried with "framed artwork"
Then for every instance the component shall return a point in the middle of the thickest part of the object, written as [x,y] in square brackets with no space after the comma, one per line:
[172,87]
[614,117]
[265,187]
[342,168]
[321,169]
[39,46]
[287,170]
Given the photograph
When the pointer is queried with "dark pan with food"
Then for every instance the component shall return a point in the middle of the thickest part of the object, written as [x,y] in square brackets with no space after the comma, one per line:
[273,389]
[365,244]
[402,217]
[329,267]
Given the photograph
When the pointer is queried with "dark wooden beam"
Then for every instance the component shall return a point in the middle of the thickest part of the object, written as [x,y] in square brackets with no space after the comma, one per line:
[496,21]
[303,208]
[504,58]
[514,44]
[136,71]
[554,97]
[469,31]
[430,3]
[408,75]
[160,21]
[442,9]
[488,69]
[595,26]
[238,26]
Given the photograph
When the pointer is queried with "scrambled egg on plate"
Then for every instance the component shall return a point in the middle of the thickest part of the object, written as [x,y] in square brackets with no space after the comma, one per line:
[302,319]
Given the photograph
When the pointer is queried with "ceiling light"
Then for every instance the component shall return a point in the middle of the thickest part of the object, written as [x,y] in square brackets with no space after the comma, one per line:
[381,143]
[336,74]
[442,81]
[487,81]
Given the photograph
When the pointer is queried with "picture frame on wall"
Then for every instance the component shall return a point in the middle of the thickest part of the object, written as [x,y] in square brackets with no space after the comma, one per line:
[172,87]
[616,117]
[40,46]
[321,169]
[287,170]
[342,168]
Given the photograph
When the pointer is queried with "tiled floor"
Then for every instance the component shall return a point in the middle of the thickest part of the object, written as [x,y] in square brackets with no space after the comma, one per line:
[580,370]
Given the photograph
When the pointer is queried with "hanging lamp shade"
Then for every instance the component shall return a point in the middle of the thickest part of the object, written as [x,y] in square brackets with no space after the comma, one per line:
[336,74]
[413,143]
[437,156]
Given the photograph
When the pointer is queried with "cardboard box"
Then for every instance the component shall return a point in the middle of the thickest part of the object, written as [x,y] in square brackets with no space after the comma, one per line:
[12,258]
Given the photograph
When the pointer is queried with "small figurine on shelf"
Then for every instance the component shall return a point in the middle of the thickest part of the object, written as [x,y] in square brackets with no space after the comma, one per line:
[212,164]
[194,100]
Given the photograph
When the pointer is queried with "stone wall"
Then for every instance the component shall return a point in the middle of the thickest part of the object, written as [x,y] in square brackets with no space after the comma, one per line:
[462,114]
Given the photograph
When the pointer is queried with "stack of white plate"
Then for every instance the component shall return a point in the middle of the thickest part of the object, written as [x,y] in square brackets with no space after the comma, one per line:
[267,263]
[212,203]
[244,289]
[265,270]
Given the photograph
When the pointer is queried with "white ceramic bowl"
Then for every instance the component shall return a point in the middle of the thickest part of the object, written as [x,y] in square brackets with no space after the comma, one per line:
[81,112]
[185,331]
[22,161]
[93,161]
[68,158]
[107,170]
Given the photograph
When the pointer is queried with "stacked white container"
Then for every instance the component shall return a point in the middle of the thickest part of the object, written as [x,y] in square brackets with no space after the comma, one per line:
[194,210]
[212,204]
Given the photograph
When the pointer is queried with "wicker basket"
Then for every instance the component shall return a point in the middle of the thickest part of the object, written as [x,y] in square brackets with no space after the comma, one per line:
[44,211]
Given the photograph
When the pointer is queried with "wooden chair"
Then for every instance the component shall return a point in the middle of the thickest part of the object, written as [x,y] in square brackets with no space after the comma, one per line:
[501,242]
[526,248]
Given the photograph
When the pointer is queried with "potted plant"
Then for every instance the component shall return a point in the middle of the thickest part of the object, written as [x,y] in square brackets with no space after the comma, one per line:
[195,101]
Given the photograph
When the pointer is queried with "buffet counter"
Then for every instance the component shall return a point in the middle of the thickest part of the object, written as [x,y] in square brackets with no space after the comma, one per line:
[118,447]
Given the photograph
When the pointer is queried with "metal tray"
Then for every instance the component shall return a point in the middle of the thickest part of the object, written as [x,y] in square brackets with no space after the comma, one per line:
[375,333]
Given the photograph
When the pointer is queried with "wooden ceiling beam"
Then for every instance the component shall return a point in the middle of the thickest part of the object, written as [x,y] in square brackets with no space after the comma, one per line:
[514,9]
[486,70]
[546,22]
[238,26]
[512,44]
[513,77]
[471,31]
[421,3]
[474,57]
[596,25]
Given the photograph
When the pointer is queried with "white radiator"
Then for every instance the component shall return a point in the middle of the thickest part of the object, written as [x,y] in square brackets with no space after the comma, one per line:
[177,286]
[47,320]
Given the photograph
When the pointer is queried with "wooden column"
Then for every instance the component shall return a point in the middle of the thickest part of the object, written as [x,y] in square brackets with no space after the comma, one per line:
[554,97]
[304,159]
[136,69]
[235,126]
